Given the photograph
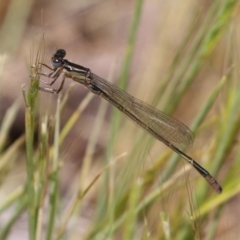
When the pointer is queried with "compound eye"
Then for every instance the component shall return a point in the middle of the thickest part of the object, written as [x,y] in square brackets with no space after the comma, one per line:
[57,59]
[56,63]
[60,53]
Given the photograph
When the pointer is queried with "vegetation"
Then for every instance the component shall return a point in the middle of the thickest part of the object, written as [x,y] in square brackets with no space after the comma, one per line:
[135,196]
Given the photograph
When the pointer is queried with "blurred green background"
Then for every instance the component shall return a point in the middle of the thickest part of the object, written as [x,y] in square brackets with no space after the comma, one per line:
[174,57]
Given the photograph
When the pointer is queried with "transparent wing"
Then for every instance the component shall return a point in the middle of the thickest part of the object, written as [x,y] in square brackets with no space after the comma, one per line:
[157,123]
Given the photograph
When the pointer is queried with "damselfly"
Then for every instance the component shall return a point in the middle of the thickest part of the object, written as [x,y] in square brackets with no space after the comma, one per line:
[166,129]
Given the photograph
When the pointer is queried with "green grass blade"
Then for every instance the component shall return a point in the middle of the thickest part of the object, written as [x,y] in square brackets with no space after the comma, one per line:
[30,100]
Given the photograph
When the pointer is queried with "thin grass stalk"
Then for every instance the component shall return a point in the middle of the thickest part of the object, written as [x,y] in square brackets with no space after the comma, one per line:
[139,209]
[30,100]
[186,59]
[54,178]
[165,229]
[116,115]
[9,156]
[66,96]
[232,179]
[75,202]
[21,206]
[131,218]
[209,42]
[214,224]
[126,65]
[176,61]
[43,172]
[13,197]
[75,116]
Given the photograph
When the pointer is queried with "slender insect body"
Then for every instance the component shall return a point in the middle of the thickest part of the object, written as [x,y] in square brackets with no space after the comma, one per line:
[166,129]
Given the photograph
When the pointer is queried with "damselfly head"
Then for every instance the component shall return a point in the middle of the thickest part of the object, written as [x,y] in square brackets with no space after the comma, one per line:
[57,59]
